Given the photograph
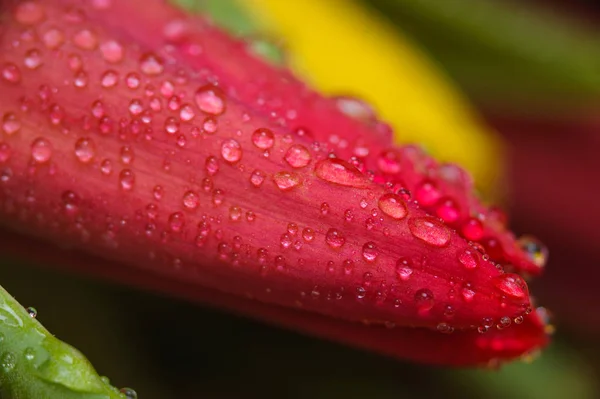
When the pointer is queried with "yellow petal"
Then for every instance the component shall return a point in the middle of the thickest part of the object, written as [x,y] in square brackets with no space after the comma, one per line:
[343,48]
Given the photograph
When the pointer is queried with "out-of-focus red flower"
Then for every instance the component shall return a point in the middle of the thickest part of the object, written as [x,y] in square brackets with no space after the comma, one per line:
[157,143]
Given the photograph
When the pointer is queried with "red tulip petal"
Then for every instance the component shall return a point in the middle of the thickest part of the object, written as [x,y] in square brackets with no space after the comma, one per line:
[169,157]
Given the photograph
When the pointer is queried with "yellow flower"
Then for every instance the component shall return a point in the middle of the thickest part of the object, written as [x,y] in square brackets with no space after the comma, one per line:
[343,48]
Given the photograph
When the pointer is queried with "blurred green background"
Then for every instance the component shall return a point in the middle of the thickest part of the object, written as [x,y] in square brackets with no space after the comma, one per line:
[535,77]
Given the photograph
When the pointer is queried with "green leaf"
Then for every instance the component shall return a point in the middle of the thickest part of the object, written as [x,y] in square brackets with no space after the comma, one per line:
[35,364]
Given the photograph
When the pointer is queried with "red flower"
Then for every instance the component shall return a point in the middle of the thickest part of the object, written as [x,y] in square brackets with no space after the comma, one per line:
[136,134]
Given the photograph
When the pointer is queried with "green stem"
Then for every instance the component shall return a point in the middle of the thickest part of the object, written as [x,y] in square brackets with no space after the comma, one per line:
[35,364]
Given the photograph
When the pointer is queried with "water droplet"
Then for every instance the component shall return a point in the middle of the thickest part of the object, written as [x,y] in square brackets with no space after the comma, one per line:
[469,259]
[334,238]
[263,138]
[512,285]
[467,292]
[324,208]
[112,51]
[355,108]
[151,64]
[29,13]
[210,99]
[129,393]
[8,361]
[85,39]
[231,151]
[186,113]
[404,269]
[11,73]
[308,234]
[32,312]
[41,150]
[297,156]
[370,252]
[424,300]
[257,178]
[393,206]
[106,167]
[427,193]
[430,230]
[176,221]
[171,125]
[126,179]
[389,162]
[11,124]
[535,250]
[210,125]
[191,200]
[286,180]
[448,210]
[127,155]
[53,39]
[29,354]
[133,80]
[135,107]
[340,172]
[33,59]
[361,292]
[472,229]
[218,196]
[109,79]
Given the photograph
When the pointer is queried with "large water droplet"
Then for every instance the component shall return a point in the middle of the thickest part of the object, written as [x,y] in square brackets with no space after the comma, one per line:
[286,180]
[33,59]
[334,238]
[85,39]
[427,193]
[535,250]
[340,172]
[263,138]
[41,150]
[430,230]
[448,210]
[512,285]
[210,99]
[393,205]
[231,151]
[297,156]
[109,79]
[53,38]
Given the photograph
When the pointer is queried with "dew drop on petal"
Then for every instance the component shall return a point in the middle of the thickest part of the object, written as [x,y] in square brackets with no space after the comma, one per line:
[334,238]
[11,124]
[340,172]
[109,79]
[85,39]
[469,259]
[176,221]
[430,230]
[151,64]
[29,13]
[85,149]
[191,200]
[297,156]
[11,73]
[112,51]
[41,150]
[472,229]
[393,206]
[370,252]
[33,59]
[231,151]
[210,99]
[257,178]
[404,268]
[511,285]
[448,210]
[286,181]
[126,179]
[129,393]
[424,300]
[263,138]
